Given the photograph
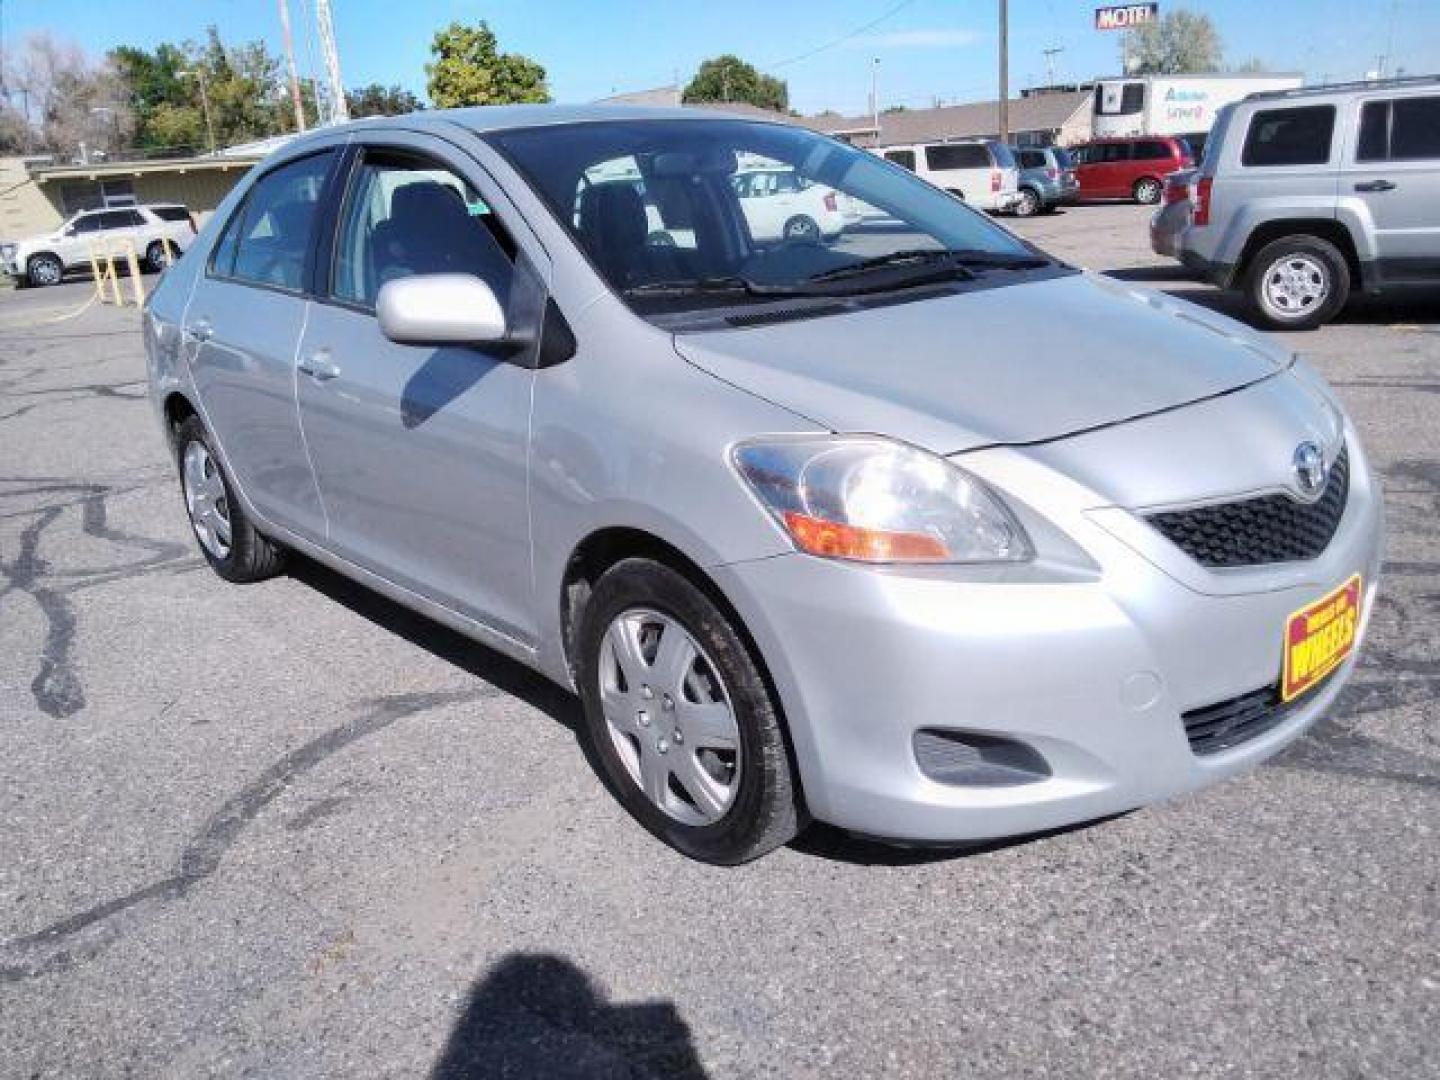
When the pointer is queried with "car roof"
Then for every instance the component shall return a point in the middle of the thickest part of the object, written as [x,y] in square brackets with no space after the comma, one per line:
[1367,86]
[491,118]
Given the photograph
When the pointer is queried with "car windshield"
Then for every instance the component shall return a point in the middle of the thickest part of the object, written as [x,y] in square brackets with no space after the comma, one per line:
[689,214]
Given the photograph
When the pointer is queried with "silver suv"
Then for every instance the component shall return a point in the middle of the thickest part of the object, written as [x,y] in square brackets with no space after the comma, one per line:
[919,532]
[1306,194]
[157,233]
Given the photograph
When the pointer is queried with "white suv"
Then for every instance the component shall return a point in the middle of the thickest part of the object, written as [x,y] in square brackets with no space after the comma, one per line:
[43,260]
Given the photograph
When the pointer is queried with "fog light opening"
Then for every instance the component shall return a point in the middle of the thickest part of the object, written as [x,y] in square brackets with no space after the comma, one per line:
[970,759]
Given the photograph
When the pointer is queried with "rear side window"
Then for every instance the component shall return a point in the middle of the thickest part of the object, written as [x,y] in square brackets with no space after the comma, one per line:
[1404,129]
[1109,153]
[267,240]
[1151,151]
[957,156]
[904,158]
[1032,159]
[1298,136]
[1062,158]
[171,213]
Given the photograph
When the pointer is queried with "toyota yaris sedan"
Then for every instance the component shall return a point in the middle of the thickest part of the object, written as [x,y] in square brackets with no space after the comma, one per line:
[919,532]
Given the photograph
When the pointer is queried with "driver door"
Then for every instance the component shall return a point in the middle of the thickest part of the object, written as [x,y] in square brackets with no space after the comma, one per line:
[420,451]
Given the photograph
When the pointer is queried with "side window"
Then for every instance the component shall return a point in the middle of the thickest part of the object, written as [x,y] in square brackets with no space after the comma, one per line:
[1132,100]
[957,156]
[88,223]
[1151,151]
[1374,143]
[904,158]
[267,240]
[1298,136]
[1415,128]
[405,215]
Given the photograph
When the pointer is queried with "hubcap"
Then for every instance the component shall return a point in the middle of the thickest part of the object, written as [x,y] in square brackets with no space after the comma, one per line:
[206,501]
[1295,286]
[47,271]
[1028,203]
[1149,191]
[800,229]
[669,716]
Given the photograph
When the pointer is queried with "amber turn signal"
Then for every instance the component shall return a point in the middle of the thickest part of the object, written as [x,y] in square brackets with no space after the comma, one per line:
[839,541]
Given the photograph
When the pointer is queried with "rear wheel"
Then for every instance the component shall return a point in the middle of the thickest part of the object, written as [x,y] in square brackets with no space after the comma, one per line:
[1146,190]
[44,269]
[802,229]
[1299,282]
[1029,204]
[680,719]
[227,539]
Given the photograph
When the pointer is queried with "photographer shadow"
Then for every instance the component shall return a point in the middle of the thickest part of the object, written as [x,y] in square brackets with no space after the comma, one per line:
[537,1014]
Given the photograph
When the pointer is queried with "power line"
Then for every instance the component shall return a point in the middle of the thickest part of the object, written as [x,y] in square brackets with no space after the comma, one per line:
[841,40]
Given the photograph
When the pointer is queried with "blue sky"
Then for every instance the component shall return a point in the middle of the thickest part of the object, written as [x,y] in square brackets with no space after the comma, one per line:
[927,48]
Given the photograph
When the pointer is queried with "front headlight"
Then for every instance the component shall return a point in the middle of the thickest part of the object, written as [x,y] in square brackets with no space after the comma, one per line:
[873,500]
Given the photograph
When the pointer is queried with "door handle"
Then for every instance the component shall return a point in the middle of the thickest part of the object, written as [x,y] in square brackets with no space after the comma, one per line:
[200,330]
[1376,185]
[319,366]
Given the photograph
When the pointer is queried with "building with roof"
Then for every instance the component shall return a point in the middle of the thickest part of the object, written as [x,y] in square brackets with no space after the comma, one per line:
[1036,119]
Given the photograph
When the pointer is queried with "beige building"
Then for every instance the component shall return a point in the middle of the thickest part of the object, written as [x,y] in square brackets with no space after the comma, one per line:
[1036,119]
[36,195]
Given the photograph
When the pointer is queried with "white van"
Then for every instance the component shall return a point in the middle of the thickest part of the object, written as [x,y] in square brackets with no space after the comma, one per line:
[980,171]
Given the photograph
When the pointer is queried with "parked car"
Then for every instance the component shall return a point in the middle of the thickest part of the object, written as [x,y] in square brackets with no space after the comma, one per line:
[778,204]
[1176,204]
[1308,194]
[1128,168]
[980,171]
[936,539]
[158,232]
[1047,180]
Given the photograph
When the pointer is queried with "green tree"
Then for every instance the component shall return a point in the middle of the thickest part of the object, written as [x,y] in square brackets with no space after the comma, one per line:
[729,79]
[1180,43]
[377,100]
[469,69]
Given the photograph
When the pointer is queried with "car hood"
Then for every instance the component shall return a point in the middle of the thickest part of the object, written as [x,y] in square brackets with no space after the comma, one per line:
[1021,363]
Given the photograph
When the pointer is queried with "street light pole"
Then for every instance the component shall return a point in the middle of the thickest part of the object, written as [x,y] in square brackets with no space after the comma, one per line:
[875,97]
[1004,71]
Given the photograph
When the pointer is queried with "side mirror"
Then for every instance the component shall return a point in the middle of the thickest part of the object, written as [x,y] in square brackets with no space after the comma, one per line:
[440,309]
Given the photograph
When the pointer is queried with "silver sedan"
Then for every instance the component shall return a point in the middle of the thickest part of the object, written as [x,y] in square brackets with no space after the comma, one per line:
[914,530]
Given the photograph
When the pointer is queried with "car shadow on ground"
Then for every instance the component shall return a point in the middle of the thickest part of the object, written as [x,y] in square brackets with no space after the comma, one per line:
[828,842]
[537,1014]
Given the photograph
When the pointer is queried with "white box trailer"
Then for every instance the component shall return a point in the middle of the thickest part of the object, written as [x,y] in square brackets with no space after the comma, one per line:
[1183,105]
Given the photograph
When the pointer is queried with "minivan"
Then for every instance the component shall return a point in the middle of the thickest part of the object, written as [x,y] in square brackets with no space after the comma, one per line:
[982,172]
[1129,168]
[923,533]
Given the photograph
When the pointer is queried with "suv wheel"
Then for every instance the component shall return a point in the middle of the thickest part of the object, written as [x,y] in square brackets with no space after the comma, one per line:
[44,270]
[228,541]
[680,719]
[1029,204]
[1299,282]
[158,257]
[1147,191]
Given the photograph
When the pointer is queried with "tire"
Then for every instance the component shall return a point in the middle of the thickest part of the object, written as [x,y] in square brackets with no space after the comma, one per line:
[44,269]
[157,257]
[802,229]
[248,556]
[1029,204]
[1298,282]
[760,807]
[1147,191]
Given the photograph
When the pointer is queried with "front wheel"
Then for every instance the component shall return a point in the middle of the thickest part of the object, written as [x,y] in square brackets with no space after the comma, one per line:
[158,256]
[1029,204]
[802,229]
[680,719]
[1299,282]
[44,270]
[1146,191]
[229,542]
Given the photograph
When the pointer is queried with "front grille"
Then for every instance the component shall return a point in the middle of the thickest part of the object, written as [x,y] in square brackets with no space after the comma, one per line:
[1268,529]
[1227,724]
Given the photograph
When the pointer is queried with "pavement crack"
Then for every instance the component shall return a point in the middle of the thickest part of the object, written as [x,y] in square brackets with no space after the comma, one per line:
[81,935]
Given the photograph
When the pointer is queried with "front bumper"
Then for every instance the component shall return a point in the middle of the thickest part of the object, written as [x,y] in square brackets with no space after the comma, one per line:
[1093,673]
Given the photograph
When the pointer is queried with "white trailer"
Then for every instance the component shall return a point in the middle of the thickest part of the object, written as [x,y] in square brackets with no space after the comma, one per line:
[1183,105]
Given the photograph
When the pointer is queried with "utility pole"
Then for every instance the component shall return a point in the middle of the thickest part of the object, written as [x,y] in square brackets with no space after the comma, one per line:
[875,97]
[1004,71]
[290,64]
[325,25]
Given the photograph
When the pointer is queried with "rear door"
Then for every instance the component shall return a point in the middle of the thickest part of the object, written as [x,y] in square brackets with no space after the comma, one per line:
[243,324]
[1394,169]
[421,451]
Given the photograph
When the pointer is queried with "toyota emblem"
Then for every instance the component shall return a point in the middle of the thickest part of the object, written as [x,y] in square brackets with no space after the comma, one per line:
[1309,464]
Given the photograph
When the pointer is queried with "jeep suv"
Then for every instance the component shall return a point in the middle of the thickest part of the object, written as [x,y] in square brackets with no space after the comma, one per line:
[159,233]
[1306,194]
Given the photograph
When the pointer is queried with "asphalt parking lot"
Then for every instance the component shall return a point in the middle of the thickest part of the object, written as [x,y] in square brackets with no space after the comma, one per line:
[289,830]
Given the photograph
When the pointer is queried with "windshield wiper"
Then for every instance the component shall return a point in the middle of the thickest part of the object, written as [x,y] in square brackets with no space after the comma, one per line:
[919,258]
[979,258]
[690,286]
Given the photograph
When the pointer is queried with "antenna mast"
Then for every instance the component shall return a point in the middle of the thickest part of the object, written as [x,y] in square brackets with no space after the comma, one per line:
[290,64]
[325,28]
